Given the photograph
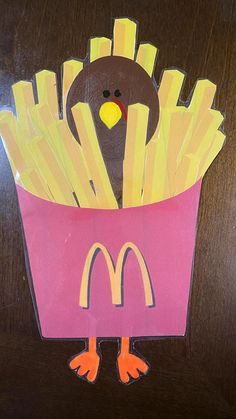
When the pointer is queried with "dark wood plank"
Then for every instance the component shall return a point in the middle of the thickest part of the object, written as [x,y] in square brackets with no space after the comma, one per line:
[193,377]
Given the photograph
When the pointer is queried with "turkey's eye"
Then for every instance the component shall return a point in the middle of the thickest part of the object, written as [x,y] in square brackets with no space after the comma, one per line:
[106,93]
[117,93]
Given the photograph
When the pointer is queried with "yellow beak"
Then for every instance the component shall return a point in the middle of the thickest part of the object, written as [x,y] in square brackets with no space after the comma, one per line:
[110,114]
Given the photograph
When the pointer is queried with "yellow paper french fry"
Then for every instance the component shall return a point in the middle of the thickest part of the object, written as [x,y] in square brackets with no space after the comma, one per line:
[179,124]
[187,174]
[51,172]
[146,57]
[32,182]
[68,137]
[18,153]
[215,148]
[43,119]
[168,94]
[201,139]
[99,47]
[170,139]
[91,149]
[155,187]
[150,171]
[74,165]
[134,159]
[200,106]
[24,101]
[71,69]
[47,91]
[45,126]
[9,134]
[124,38]
[192,173]
[202,99]
[217,119]
[170,88]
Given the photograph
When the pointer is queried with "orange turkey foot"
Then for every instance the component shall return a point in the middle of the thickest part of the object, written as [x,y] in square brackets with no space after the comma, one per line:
[86,364]
[130,366]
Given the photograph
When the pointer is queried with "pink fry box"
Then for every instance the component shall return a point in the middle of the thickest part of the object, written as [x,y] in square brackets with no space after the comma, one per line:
[58,239]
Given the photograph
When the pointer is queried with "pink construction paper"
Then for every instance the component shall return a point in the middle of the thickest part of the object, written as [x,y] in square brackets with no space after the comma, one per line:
[58,238]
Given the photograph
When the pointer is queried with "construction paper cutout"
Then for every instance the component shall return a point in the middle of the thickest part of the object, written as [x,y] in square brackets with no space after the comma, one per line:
[110,113]
[130,366]
[136,176]
[165,234]
[87,363]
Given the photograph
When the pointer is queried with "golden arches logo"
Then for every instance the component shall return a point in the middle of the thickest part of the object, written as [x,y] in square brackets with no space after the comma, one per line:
[115,273]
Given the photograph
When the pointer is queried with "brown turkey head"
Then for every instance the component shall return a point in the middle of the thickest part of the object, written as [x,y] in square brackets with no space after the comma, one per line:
[110,85]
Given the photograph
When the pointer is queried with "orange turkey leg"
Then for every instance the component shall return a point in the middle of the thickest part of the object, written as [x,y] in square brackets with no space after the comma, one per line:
[130,366]
[86,364]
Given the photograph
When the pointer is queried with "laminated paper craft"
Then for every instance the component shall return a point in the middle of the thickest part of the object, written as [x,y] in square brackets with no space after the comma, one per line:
[108,184]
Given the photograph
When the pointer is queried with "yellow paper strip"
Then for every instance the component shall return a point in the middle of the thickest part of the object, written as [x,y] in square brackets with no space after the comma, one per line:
[170,88]
[192,173]
[71,69]
[200,105]
[179,122]
[124,38]
[155,187]
[75,168]
[50,170]
[134,160]
[212,153]
[181,174]
[47,91]
[99,47]
[45,127]
[200,134]
[9,133]
[20,157]
[201,139]
[32,182]
[42,118]
[91,149]
[168,94]
[202,99]
[24,101]
[146,57]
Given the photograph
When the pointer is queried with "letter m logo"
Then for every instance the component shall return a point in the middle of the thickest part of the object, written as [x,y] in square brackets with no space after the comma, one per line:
[115,273]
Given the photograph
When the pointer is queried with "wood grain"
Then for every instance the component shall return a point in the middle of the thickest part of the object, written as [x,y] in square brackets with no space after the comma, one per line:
[191,377]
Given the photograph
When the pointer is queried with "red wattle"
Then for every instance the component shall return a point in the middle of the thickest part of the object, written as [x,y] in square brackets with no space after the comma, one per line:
[122,107]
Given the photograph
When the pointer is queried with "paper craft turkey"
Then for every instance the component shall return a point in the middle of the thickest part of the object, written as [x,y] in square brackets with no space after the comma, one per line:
[108,189]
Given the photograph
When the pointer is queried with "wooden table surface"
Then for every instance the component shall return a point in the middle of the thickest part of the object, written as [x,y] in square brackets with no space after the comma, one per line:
[192,377]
